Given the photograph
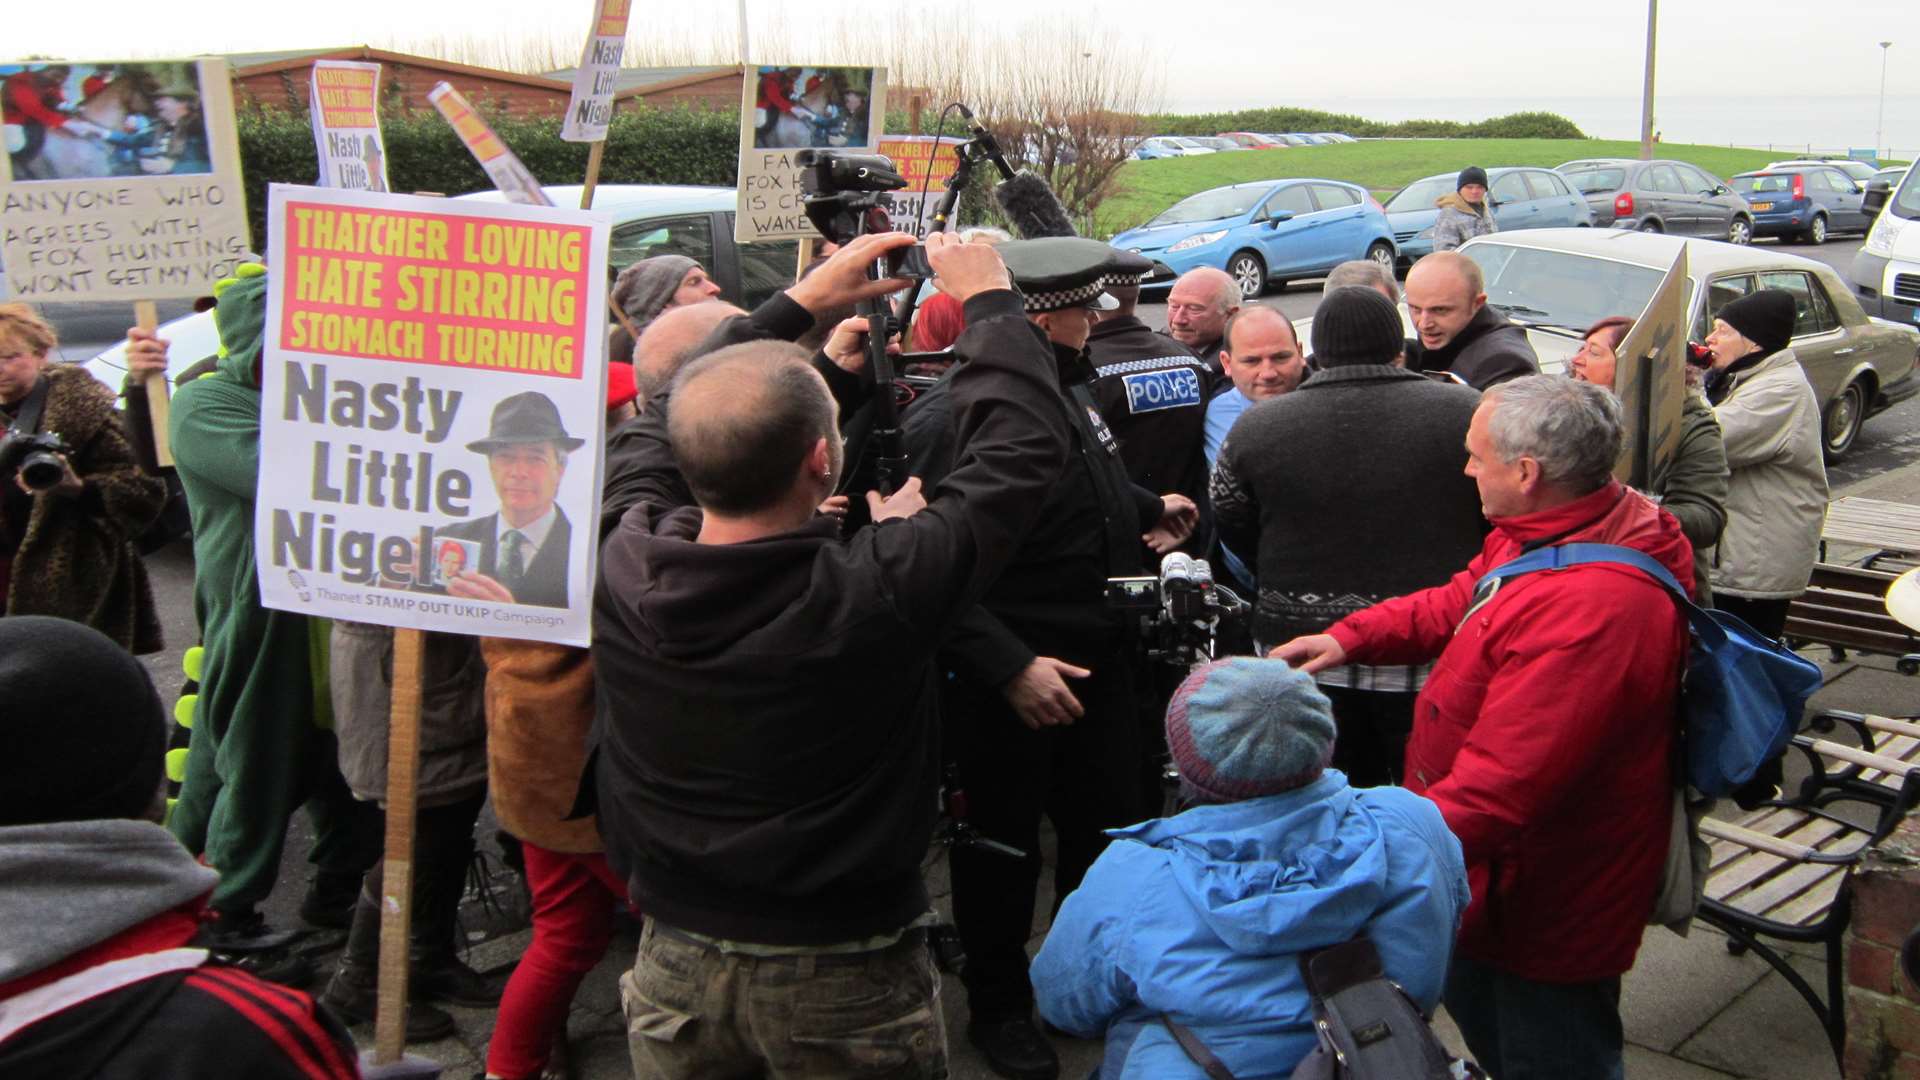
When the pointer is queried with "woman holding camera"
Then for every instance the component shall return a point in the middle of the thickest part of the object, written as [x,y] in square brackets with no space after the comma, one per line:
[73,498]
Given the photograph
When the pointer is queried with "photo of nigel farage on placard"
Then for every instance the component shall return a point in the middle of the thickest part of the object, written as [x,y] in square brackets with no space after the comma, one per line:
[434,391]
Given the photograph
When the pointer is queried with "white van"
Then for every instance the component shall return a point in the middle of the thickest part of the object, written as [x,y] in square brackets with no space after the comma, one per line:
[1886,272]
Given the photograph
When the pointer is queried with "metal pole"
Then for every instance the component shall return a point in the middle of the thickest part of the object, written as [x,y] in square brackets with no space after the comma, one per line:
[743,31]
[1880,126]
[1646,96]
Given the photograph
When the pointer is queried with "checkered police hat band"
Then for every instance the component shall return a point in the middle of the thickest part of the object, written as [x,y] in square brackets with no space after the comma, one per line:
[1065,298]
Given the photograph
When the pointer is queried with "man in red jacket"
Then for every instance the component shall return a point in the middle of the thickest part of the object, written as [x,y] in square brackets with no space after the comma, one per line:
[1545,733]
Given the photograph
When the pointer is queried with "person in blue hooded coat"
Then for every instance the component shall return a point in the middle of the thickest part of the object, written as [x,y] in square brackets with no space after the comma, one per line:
[1203,916]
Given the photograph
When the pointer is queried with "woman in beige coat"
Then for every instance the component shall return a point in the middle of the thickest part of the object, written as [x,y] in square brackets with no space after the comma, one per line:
[1777,491]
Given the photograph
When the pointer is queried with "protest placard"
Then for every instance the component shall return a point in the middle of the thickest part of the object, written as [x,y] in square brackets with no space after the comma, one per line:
[346,125]
[927,162]
[783,109]
[503,166]
[1650,379]
[591,106]
[434,400]
[121,180]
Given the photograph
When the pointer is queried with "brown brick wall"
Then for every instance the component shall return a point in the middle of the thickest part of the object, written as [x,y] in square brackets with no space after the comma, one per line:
[1883,1007]
[404,86]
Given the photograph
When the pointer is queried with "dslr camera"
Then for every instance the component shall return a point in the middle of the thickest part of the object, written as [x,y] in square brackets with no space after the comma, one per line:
[846,197]
[37,458]
[1180,611]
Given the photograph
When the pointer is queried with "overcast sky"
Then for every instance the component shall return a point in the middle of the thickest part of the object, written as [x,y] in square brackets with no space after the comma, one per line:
[1219,52]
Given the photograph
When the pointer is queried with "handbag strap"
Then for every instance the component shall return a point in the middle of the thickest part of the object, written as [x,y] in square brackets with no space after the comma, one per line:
[1561,556]
[1197,1050]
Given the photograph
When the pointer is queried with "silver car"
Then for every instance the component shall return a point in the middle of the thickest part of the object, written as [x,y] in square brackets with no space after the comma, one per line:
[1660,196]
[1558,282]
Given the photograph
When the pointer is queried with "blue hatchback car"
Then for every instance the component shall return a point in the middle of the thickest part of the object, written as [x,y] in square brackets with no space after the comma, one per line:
[1804,202]
[1267,231]
[1523,198]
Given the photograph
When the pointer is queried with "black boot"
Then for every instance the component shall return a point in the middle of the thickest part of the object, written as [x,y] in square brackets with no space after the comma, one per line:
[353,993]
[1014,1048]
[436,970]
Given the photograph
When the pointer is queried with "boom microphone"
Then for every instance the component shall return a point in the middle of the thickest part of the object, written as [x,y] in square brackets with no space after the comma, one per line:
[983,138]
[1032,207]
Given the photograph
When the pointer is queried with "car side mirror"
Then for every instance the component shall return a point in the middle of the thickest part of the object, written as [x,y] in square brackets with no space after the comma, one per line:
[1721,189]
[1279,216]
[1875,198]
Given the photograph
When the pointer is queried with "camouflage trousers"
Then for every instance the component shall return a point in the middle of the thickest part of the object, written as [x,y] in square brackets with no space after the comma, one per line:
[694,1011]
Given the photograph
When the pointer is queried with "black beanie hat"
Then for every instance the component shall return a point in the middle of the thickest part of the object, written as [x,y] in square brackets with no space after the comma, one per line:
[1472,174]
[1356,325]
[1764,318]
[84,728]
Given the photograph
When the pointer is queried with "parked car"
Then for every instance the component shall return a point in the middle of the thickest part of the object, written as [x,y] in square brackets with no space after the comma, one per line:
[1288,140]
[1889,176]
[1523,198]
[648,219]
[1164,146]
[1266,231]
[1311,139]
[1335,136]
[1806,202]
[1252,140]
[1559,281]
[1660,196]
[1861,171]
[1886,271]
[1216,142]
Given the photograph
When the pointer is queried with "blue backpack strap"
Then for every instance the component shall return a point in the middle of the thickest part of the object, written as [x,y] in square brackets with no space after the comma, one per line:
[1564,555]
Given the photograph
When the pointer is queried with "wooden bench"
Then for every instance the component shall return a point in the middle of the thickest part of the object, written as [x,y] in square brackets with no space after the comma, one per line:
[1781,870]
[1882,736]
[1845,607]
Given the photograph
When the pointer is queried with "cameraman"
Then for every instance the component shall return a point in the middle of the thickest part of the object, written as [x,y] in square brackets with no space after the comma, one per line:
[67,548]
[765,721]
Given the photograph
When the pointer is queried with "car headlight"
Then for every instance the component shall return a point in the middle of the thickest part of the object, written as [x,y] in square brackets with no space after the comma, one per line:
[1425,234]
[1880,238]
[1198,240]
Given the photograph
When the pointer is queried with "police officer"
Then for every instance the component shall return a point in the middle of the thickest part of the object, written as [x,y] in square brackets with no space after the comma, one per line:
[1153,393]
[1028,743]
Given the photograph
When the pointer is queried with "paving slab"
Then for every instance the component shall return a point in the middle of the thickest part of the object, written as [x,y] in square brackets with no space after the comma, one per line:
[1769,1033]
[1679,984]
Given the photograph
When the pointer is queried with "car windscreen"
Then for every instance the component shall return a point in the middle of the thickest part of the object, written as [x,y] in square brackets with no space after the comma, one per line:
[1561,288]
[1211,206]
[1421,194]
[1596,181]
[1747,185]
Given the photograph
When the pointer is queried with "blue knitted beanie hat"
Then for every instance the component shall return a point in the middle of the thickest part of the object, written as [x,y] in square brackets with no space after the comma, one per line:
[1244,727]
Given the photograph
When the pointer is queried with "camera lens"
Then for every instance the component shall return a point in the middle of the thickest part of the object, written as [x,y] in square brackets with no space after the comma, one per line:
[41,470]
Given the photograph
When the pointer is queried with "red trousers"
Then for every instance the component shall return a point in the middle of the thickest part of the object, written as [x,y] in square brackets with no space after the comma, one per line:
[573,902]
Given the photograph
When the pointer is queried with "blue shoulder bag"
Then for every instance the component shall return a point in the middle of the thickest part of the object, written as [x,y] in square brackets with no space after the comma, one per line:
[1744,694]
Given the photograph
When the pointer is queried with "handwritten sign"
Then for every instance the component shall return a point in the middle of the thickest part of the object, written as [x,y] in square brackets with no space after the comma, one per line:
[346,125]
[435,400]
[591,107]
[122,182]
[784,109]
[503,165]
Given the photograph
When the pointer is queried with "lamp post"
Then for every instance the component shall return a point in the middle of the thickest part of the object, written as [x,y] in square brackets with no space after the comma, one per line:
[1880,126]
[1646,98]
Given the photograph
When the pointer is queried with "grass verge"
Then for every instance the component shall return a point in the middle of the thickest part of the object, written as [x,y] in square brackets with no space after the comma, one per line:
[1144,188]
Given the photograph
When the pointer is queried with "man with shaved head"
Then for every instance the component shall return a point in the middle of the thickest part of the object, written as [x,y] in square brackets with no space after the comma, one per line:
[1198,307]
[1457,332]
[765,697]
[672,339]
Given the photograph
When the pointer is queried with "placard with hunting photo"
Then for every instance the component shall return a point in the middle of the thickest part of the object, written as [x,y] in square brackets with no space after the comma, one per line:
[120,181]
[785,108]
[435,400]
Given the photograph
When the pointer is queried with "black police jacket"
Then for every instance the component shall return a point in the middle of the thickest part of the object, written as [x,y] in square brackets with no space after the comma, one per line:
[1153,393]
[1051,599]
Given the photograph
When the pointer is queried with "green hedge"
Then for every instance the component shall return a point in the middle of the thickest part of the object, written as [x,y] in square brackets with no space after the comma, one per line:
[644,146]
[1524,125]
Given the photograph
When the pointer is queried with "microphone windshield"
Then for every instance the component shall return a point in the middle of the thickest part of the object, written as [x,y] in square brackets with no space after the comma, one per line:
[1032,208]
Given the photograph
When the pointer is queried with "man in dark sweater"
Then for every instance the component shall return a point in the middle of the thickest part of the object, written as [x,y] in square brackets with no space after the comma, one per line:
[1457,332]
[1351,490]
[766,730]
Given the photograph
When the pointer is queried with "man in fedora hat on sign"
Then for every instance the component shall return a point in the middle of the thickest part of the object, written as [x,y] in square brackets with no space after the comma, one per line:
[524,544]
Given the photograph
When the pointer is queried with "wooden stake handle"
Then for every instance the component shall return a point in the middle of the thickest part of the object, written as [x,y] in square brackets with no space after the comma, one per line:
[147,317]
[396,883]
[593,174]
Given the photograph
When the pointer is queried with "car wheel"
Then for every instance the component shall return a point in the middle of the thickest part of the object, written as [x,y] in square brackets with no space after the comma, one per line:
[1650,225]
[1740,232]
[1817,229]
[1382,253]
[1249,273]
[1841,423]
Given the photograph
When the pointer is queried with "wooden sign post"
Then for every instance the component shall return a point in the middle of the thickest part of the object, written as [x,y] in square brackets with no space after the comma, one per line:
[396,875]
[147,317]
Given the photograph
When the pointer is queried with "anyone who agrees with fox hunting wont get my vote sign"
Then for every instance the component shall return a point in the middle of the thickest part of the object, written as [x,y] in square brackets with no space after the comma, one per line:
[434,402]
[120,181]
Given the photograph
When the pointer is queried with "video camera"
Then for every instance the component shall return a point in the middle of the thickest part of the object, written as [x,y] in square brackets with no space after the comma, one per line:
[36,457]
[846,196]
[1180,611]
